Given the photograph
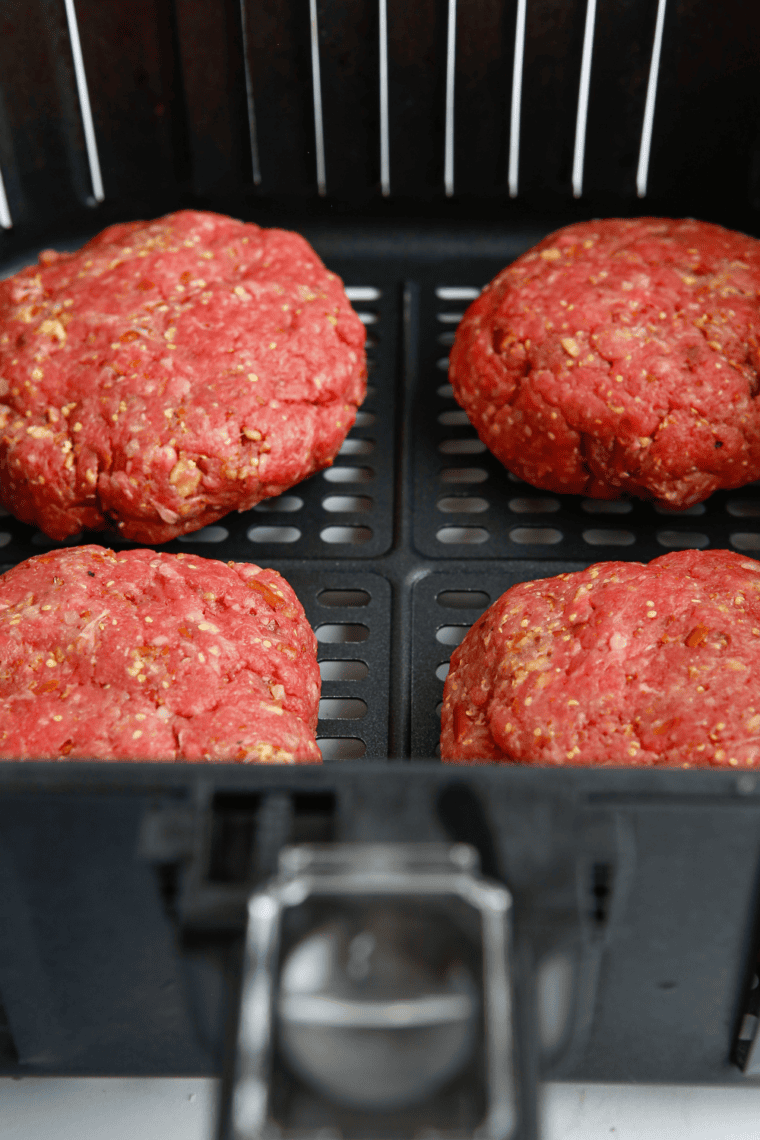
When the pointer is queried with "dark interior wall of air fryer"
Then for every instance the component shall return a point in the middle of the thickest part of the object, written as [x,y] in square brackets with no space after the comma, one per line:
[212,104]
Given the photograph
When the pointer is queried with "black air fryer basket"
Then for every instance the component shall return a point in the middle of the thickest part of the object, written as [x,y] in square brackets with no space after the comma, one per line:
[420,147]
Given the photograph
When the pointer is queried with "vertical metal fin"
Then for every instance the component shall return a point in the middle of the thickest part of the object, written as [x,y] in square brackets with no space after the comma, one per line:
[255,166]
[385,154]
[319,134]
[642,172]
[517,72]
[448,156]
[84,103]
[583,93]
[6,221]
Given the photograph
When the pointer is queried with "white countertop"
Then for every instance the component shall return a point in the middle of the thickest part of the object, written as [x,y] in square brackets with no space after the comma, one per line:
[183,1109]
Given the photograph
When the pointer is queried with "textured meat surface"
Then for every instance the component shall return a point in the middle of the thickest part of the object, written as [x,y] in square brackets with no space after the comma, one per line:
[138,655]
[169,372]
[621,664]
[620,357]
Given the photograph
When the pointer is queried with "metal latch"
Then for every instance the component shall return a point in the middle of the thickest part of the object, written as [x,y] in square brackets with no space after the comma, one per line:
[376,998]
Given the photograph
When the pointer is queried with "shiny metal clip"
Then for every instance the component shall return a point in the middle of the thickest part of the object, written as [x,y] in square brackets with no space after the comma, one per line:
[376,976]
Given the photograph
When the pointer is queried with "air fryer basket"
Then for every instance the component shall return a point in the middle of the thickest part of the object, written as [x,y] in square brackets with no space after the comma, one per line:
[420,147]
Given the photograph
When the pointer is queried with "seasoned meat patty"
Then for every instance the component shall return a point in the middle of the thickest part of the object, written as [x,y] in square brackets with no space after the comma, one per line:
[621,664]
[136,655]
[620,357]
[169,372]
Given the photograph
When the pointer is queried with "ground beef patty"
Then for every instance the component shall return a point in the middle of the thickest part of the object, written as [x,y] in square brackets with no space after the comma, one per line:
[169,372]
[620,357]
[138,655]
[621,664]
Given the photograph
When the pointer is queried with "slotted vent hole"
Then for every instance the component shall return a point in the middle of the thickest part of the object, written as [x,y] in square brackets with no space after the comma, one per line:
[745,541]
[206,534]
[364,419]
[536,535]
[367,318]
[342,708]
[445,391]
[313,819]
[363,293]
[463,506]
[463,475]
[286,503]
[465,535]
[371,341]
[348,475]
[606,506]
[466,446]
[515,478]
[4,538]
[449,318]
[446,339]
[336,504]
[341,633]
[357,446]
[463,599]
[456,293]
[682,539]
[234,818]
[278,534]
[601,891]
[534,506]
[696,510]
[348,598]
[346,535]
[452,635]
[442,363]
[442,671]
[341,747]
[744,508]
[343,670]
[609,537]
[456,418]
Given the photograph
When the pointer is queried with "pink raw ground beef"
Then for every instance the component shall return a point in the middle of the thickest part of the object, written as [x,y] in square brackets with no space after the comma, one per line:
[138,655]
[620,357]
[169,372]
[621,664]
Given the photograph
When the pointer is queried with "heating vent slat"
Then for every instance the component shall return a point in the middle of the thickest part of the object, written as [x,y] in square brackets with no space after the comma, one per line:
[255,164]
[517,78]
[5,214]
[84,103]
[583,94]
[642,170]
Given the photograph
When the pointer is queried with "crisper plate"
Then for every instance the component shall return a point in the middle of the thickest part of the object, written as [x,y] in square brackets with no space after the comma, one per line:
[414,493]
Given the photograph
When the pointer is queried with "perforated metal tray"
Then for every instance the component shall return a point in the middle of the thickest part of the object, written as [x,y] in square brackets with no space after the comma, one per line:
[398,547]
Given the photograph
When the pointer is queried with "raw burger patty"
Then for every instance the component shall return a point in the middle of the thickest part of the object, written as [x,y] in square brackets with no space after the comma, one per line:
[137,655]
[169,372]
[620,357]
[621,664]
